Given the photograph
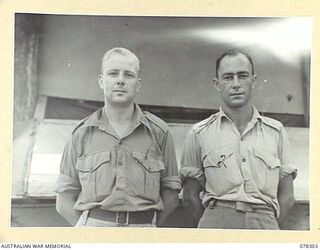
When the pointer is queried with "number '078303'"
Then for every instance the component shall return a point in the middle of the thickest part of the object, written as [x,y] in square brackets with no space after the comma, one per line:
[308,246]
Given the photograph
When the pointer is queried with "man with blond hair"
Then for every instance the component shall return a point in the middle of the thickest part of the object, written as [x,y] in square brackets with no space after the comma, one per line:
[119,166]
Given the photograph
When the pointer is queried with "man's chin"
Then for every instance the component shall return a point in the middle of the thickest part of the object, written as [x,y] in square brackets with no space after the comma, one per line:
[119,102]
[237,104]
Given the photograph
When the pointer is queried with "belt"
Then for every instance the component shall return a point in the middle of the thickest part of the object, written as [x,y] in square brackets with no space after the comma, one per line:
[122,218]
[243,206]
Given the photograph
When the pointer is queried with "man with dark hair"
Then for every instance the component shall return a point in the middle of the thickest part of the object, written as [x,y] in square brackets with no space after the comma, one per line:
[237,163]
[119,166]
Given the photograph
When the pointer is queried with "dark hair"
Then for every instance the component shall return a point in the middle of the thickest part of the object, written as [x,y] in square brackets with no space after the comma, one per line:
[233,52]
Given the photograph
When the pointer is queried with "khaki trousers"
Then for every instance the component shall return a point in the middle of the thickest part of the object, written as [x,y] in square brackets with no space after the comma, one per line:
[230,218]
[86,221]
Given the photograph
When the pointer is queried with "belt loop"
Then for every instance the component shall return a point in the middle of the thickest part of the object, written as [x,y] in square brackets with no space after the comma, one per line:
[84,217]
[155,217]
[243,206]
[240,206]
[127,218]
[212,204]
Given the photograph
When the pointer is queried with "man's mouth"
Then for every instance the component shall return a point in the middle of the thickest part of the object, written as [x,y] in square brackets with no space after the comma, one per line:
[237,94]
[120,91]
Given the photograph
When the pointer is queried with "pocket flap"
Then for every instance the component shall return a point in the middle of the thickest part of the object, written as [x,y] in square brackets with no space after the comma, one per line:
[90,163]
[148,161]
[270,160]
[215,159]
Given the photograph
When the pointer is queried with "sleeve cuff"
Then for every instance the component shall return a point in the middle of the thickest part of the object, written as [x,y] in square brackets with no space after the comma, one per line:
[66,183]
[194,173]
[171,182]
[288,169]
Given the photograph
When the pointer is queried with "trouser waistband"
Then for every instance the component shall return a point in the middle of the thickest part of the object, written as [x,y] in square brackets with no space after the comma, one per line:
[123,218]
[243,206]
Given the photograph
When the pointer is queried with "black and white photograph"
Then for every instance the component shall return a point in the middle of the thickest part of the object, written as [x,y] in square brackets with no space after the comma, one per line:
[161,121]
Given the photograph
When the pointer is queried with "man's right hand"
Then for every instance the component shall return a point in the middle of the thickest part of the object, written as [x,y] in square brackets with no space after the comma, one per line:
[64,206]
[191,200]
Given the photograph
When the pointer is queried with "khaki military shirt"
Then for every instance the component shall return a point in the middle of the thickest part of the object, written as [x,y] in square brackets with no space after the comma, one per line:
[236,167]
[119,174]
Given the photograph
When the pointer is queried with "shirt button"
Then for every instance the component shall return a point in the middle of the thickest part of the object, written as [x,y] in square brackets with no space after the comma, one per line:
[120,163]
[244,160]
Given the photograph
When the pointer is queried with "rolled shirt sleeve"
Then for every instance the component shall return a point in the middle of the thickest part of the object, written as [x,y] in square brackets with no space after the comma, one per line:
[68,178]
[170,176]
[191,163]
[287,167]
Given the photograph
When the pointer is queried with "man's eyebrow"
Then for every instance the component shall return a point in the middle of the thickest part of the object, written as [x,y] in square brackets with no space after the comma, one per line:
[243,72]
[129,71]
[228,73]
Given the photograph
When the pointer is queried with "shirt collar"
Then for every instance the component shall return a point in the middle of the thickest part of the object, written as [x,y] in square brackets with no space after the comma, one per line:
[100,119]
[255,116]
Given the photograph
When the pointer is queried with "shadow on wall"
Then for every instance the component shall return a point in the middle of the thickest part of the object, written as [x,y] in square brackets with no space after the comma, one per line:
[45,215]
[25,71]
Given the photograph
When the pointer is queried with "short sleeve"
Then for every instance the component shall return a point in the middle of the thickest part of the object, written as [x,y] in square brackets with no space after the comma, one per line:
[287,167]
[170,176]
[68,178]
[191,164]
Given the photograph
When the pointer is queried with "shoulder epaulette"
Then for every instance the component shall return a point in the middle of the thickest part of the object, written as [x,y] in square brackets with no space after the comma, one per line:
[204,123]
[156,120]
[89,119]
[272,122]
[79,124]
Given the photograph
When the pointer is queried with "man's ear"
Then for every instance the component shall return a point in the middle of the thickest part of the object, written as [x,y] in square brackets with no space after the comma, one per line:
[254,80]
[216,84]
[138,85]
[100,80]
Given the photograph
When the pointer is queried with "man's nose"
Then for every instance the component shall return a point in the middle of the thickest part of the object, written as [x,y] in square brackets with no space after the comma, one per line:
[120,80]
[236,82]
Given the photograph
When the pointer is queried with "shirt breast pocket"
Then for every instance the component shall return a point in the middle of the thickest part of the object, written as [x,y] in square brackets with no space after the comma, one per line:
[144,177]
[95,175]
[222,173]
[267,172]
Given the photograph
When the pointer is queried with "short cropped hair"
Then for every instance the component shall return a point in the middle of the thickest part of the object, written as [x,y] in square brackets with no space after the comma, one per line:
[118,51]
[233,52]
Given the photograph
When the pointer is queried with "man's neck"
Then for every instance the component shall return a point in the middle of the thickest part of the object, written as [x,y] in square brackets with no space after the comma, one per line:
[119,114]
[239,116]
[120,118]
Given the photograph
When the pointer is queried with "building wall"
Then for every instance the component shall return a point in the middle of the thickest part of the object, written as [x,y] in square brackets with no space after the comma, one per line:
[60,56]
[177,63]
[45,215]
[25,70]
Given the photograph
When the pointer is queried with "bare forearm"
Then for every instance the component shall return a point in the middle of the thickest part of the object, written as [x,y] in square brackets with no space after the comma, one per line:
[170,202]
[285,208]
[285,198]
[64,206]
[191,200]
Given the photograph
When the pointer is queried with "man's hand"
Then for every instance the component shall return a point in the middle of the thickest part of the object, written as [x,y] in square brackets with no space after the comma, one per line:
[170,202]
[285,197]
[64,205]
[191,200]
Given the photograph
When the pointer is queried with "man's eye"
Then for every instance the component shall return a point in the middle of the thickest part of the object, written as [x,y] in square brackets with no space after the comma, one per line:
[243,76]
[129,75]
[227,78]
[112,73]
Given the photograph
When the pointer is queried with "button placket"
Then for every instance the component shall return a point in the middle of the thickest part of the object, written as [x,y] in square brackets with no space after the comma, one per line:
[244,158]
[121,176]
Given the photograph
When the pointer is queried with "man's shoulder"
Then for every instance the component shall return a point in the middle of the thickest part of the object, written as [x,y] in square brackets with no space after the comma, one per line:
[198,127]
[272,122]
[88,121]
[155,120]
